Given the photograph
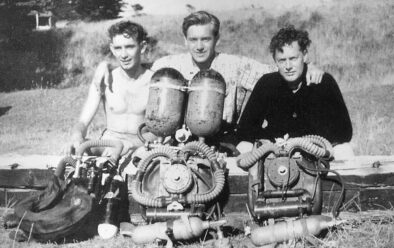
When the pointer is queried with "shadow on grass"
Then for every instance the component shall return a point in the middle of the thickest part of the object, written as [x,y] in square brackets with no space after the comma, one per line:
[4,110]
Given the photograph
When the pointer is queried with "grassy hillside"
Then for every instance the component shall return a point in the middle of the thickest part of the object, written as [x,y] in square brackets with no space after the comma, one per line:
[39,121]
[351,40]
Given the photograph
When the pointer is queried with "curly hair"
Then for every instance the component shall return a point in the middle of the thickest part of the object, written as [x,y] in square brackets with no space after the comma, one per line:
[286,36]
[128,29]
[201,18]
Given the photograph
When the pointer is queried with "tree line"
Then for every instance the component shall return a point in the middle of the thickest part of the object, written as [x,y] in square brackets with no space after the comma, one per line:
[33,59]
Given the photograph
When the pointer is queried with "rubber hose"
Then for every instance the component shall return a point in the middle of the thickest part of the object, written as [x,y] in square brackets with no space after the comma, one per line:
[212,194]
[219,177]
[139,133]
[247,160]
[203,148]
[335,209]
[322,142]
[163,151]
[309,147]
[116,144]
[136,185]
[61,167]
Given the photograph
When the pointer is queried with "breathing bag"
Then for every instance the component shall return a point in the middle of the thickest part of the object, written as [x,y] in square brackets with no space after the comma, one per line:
[57,212]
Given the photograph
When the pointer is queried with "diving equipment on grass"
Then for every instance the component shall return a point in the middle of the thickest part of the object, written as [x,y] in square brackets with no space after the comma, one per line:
[76,198]
[179,177]
[285,193]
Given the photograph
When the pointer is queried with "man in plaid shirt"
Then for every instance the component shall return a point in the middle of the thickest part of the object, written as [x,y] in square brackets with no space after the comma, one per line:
[201,33]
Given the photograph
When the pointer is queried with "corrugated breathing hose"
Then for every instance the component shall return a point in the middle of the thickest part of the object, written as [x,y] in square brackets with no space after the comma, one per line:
[308,145]
[136,185]
[247,160]
[61,166]
[322,142]
[218,174]
[116,144]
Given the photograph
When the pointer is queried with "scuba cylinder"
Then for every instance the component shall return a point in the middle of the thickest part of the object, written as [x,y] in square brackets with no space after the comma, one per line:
[180,229]
[164,113]
[205,104]
[291,229]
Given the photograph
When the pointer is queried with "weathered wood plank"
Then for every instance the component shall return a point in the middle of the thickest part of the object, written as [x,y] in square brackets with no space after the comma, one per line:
[367,187]
[364,200]
[8,197]
[28,161]
[24,178]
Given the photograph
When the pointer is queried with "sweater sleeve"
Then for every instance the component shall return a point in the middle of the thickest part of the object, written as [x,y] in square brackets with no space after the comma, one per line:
[339,126]
[250,125]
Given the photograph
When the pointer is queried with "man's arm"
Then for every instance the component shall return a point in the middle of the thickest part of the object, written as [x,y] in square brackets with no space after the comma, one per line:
[92,102]
[338,124]
[88,112]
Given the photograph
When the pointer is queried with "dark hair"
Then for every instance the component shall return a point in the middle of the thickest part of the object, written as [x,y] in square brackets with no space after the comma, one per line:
[128,29]
[212,74]
[286,36]
[167,72]
[201,18]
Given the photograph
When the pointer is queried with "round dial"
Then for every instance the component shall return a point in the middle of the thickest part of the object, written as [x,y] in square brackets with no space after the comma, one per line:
[177,179]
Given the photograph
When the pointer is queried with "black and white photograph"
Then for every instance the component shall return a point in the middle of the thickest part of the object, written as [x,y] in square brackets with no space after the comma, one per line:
[196,123]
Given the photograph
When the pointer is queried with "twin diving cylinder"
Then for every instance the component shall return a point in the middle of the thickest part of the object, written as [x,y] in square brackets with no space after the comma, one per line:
[167,100]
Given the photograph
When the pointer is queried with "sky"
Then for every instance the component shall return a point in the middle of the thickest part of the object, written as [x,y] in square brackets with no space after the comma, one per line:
[178,7]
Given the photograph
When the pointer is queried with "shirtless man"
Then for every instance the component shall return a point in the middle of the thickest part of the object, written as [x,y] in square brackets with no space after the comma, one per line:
[123,91]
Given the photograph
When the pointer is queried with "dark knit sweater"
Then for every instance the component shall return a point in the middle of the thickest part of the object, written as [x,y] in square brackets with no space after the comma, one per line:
[273,110]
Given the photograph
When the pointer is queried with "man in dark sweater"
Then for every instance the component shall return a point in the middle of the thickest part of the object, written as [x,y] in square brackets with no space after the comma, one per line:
[281,103]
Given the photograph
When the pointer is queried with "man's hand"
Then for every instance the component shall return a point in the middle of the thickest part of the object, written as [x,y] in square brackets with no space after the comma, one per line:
[314,75]
[70,148]
[77,138]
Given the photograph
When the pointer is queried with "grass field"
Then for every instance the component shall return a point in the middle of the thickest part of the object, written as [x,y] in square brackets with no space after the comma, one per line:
[360,230]
[356,51]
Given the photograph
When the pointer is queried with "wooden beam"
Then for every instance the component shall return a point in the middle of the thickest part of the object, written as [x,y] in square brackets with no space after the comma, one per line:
[369,181]
[24,178]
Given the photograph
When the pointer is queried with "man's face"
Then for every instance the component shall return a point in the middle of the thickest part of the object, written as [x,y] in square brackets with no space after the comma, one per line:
[127,50]
[201,43]
[291,61]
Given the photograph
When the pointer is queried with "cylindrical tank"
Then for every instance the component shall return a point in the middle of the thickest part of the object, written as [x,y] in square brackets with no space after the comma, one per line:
[182,229]
[205,104]
[167,97]
[285,230]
